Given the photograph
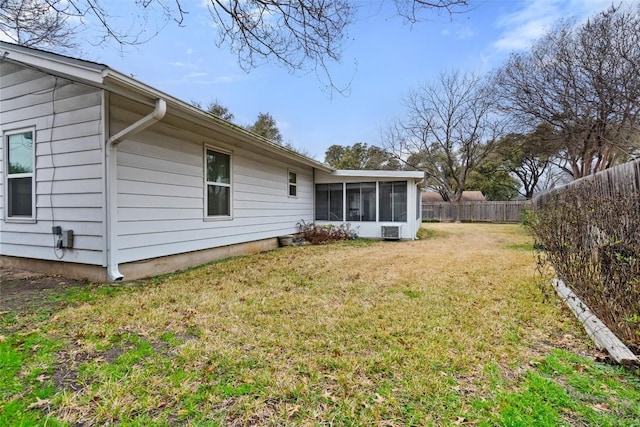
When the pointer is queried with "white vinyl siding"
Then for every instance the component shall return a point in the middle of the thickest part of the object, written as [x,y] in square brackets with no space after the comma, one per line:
[68,185]
[161,195]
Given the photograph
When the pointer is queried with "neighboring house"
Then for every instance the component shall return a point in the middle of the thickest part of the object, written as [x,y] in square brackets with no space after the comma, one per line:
[103,177]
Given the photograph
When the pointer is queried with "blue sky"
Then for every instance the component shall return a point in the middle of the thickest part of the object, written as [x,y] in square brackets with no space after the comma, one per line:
[382,58]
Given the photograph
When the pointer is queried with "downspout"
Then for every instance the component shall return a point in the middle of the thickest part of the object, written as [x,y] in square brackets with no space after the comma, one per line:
[112,182]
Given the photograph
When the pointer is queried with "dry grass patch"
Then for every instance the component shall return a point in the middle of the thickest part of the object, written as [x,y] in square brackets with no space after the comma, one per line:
[356,333]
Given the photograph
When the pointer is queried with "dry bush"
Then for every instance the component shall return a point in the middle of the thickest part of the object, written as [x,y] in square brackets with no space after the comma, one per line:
[319,234]
[593,241]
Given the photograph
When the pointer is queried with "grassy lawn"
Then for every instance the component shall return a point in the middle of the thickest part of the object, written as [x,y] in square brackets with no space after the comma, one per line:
[450,330]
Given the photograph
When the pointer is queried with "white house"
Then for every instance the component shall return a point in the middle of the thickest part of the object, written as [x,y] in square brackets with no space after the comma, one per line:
[103,177]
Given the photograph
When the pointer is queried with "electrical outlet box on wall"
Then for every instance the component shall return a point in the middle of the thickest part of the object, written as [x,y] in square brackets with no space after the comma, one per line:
[67,239]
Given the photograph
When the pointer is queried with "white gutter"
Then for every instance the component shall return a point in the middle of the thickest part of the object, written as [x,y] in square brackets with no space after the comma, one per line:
[112,182]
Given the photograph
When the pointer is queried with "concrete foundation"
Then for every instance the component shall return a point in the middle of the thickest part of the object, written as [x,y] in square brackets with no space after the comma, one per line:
[139,269]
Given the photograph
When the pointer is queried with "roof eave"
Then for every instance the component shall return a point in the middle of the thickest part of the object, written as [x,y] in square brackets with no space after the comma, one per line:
[113,78]
[378,173]
[104,77]
[60,65]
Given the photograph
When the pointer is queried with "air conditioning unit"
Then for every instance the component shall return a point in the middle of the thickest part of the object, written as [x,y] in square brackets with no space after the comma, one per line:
[391,232]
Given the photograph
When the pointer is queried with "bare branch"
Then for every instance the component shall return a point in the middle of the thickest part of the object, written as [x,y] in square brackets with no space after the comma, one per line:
[413,10]
[448,130]
[303,36]
[582,82]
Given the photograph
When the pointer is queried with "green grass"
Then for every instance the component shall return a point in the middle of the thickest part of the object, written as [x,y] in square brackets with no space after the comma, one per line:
[26,365]
[425,233]
[564,387]
[448,330]
[522,247]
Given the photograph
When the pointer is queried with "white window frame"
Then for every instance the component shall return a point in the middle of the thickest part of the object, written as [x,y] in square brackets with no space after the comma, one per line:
[292,184]
[208,217]
[8,176]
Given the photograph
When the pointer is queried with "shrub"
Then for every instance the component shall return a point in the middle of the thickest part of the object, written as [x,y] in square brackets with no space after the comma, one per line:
[319,234]
[593,242]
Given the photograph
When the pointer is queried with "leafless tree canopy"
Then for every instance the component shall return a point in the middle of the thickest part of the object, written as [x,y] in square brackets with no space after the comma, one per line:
[301,35]
[448,130]
[291,31]
[413,10]
[584,82]
[36,23]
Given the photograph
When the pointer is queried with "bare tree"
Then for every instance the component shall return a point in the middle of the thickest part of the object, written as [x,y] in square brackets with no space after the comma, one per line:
[449,128]
[412,10]
[301,35]
[36,23]
[55,24]
[583,82]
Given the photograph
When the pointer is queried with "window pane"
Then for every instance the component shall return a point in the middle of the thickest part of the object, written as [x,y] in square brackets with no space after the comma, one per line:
[218,200]
[361,201]
[218,167]
[20,201]
[20,153]
[368,201]
[329,202]
[386,201]
[353,202]
[393,201]
[293,190]
[400,201]
[322,202]
[335,202]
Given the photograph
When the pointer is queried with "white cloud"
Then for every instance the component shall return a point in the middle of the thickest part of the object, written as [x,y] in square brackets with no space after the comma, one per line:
[464,33]
[196,75]
[233,78]
[224,79]
[526,25]
[522,28]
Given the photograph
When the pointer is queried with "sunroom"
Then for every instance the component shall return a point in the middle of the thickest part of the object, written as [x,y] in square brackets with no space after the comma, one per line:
[378,204]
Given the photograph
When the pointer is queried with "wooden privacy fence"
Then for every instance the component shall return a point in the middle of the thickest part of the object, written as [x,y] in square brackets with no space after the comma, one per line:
[474,211]
[613,182]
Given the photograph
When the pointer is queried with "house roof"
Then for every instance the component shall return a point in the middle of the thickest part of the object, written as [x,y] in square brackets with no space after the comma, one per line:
[472,196]
[103,77]
[431,196]
[378,173]
[467,196]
